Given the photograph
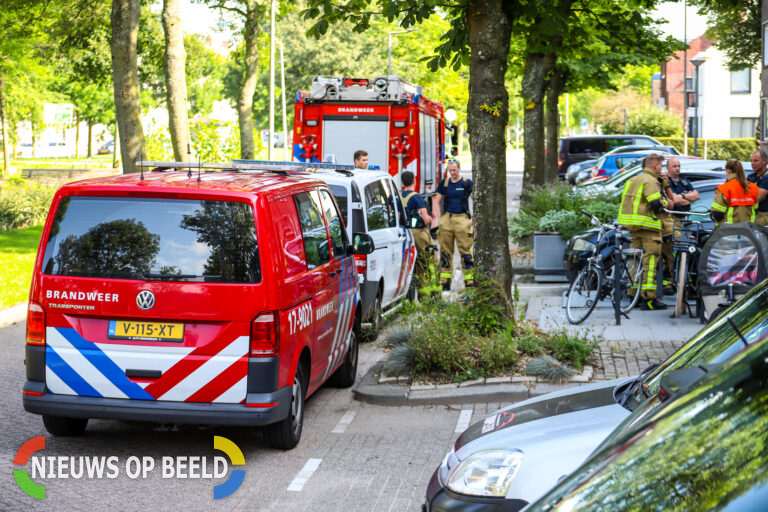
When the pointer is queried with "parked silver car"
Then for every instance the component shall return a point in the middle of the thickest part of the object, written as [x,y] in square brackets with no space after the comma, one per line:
[515,455]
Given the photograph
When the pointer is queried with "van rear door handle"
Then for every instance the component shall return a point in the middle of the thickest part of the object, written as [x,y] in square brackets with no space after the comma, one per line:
[147,374]
[333,272]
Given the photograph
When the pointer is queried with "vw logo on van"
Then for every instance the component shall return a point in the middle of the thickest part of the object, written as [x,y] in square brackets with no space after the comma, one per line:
[145,299]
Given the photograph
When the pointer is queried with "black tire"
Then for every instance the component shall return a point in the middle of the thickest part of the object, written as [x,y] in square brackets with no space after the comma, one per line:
[376,319]
[716,313]
[412,291]
[682,277]
[345,375]
[583,295]
[285,434]
[65,427]
[631,276]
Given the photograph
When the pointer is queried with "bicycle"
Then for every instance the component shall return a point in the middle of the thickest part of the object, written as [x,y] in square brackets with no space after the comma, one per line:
[687,245]
[596,280]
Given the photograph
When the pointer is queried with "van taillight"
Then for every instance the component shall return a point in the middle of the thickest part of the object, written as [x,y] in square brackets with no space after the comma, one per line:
[559,162]
[265,335]
[361,263]
[35,324]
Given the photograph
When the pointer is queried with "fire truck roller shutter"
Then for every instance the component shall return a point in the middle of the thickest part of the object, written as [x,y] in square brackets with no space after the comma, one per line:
[342,137]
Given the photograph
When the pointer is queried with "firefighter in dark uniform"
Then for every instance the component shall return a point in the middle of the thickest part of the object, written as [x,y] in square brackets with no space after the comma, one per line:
[735,200]
[760,178]
[641,204]
[680,194]
[419,221]
[451,206]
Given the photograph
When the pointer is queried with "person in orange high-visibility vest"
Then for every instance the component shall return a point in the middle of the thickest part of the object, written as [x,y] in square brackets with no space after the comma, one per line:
[735,200]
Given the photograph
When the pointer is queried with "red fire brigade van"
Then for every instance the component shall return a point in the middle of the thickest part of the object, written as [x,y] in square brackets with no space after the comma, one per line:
[387,117]
[212,298]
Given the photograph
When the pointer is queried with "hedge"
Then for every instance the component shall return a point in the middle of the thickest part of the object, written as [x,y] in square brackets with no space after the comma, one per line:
[717,149]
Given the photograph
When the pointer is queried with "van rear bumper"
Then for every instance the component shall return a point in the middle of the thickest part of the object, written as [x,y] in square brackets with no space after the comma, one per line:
[72,406]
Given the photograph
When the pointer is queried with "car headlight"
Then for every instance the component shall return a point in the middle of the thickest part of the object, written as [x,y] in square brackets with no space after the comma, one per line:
[486,473]
[581,244]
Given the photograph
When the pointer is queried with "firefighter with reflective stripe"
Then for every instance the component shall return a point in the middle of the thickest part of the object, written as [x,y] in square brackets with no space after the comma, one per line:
[736,199]
[419,221]
[641,204]
[451,206]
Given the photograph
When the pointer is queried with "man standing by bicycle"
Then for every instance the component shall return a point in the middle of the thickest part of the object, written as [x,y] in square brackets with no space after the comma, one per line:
[641,204]
[680,194]
[760,178]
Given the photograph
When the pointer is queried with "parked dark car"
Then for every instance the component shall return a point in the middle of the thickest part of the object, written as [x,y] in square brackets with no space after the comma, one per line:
[704,448]
[516,454]
[588,147]
[573,170]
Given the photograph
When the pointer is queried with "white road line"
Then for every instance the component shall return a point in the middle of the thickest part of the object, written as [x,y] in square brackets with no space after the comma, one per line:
[344,422]
[464,418]
[298,483]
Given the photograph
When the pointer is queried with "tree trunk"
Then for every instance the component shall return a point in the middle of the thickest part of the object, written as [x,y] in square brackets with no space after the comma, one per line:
[245,101]
[90,138]
[487,114]
[7,167]
[176,80]
[537,69]
[116,138]
[553,126]
[125,77]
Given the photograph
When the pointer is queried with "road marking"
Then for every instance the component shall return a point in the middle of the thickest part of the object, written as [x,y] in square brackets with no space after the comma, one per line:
[306,472]
[344,422]
[464,418]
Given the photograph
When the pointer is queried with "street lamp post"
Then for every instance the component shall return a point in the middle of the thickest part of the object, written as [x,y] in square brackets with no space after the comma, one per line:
[286,153]
[389,52]
[696,61]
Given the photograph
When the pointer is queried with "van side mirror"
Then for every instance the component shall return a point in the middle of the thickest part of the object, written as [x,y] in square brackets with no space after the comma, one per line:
[362,243]
[677,381]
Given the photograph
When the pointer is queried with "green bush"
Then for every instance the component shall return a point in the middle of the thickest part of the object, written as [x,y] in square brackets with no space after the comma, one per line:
[24,203]
[565,222]
[540,201]
[654,121]
[570,348]
[716,149]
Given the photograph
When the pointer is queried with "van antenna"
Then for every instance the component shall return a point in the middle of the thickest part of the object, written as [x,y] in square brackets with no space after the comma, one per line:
[198,168]
[141,165]
[189,156]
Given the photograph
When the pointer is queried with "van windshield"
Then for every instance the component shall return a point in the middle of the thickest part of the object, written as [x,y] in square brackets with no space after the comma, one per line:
[153,239]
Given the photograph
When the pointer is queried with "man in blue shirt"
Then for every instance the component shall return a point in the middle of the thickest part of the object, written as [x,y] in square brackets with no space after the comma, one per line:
[680,194]
[451,206]
[760,178]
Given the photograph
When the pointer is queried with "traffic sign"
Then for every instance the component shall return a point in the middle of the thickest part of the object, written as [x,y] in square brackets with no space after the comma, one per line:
[58,113]
[584,123]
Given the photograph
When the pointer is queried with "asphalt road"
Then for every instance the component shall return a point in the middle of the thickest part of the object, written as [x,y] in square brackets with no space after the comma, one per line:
[352,456]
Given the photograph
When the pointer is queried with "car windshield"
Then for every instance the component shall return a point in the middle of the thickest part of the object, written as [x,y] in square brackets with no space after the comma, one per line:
[746,321]
[704,450]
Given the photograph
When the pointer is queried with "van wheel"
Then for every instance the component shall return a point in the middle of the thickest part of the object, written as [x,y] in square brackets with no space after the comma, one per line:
[345,375]
[285,434]
[376,318]
[61,426]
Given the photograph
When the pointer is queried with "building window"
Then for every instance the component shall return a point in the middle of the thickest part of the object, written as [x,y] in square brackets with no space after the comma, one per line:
[743,127]
[765,44]
[741,81]
[763,119]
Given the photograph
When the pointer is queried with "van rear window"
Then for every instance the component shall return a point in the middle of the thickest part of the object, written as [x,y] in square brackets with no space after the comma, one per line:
[153,239]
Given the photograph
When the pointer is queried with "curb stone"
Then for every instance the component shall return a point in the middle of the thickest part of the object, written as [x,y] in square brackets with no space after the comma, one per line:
[13,314]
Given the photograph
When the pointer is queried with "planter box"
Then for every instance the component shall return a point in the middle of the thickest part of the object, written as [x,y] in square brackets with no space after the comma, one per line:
[548,250]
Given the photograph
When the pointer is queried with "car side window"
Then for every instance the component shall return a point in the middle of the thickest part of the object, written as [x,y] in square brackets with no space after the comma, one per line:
[380,206]
[313,229]
[615,143]
[581,146]
[338,233]
[340,193]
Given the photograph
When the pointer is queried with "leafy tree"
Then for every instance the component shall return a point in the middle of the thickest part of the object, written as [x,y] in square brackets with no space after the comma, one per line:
[736,26]
[479,35]
[608,111]
[655,122]
[175,77]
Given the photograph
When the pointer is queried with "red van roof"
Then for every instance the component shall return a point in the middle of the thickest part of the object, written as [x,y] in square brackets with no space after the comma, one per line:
[168,181]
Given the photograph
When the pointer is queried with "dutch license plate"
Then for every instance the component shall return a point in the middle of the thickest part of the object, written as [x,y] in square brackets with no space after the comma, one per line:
[155,331]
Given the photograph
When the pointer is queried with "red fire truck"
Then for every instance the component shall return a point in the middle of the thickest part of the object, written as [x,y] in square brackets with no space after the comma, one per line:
[387,117]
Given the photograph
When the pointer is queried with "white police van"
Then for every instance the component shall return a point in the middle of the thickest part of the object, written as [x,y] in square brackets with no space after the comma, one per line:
[370,202]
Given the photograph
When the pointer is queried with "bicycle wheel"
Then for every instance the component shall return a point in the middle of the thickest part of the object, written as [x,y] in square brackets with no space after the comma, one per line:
[682,277]
[631,277]
[583,294]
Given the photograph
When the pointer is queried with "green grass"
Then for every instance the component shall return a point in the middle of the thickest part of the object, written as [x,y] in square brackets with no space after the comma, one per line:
[18,248]
[95,162]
